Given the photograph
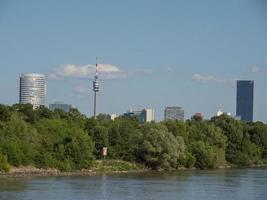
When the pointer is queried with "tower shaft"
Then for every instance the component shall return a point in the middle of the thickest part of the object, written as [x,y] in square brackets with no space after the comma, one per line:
[95,105]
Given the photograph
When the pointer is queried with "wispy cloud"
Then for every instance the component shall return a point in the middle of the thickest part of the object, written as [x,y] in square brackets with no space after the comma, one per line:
[210,79]
[169,69]
[80,89]
[145,71]
[254,69]
[107,71]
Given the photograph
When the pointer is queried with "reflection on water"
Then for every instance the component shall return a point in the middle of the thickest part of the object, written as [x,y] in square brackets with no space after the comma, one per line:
[245,184]
[11,185]
[104,186]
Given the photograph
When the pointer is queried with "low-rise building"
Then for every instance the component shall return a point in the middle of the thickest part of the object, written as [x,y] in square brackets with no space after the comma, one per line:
[145,115]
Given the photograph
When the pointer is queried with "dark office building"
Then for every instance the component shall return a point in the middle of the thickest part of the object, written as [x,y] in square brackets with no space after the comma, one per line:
[244,100]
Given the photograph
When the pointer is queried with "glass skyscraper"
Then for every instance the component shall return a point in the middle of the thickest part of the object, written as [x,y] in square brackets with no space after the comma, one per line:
[244,100]
[32,89]
[174,113]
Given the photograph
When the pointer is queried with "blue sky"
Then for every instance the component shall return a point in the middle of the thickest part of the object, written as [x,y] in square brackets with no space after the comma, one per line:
[153,53]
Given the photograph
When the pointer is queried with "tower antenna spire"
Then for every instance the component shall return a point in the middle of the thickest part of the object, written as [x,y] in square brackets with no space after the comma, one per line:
[96,67]
[96,87]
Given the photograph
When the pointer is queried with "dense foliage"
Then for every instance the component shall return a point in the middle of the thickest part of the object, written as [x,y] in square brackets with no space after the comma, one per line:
[70,141]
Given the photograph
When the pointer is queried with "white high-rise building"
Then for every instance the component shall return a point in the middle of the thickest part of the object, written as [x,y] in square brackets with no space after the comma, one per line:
[148,115]
[32,89]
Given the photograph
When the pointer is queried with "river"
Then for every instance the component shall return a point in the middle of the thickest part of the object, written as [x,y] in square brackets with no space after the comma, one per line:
[223,184]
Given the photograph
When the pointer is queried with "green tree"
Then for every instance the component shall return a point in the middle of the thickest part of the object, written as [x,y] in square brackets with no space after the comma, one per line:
[204,155]
[5,113]
[258,134]
[240,149]
[177,128]
[44,112]
[13,152]
[122,138]
[99,135]
[27,112]
[158,148]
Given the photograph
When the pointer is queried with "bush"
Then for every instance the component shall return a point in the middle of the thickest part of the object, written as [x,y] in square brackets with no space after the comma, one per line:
[13,152]
[190,160]
[65,166]
[4,165]
[208,156]
[158,148]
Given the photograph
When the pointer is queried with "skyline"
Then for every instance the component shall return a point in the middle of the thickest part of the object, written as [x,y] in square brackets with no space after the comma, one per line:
[157,54]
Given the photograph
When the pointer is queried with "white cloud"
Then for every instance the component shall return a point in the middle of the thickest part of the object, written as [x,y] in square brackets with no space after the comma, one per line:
[169,69]
[206,78]
[141,72]
[106,71]
[147,71]
[254,69]
[80,89]
[210,79]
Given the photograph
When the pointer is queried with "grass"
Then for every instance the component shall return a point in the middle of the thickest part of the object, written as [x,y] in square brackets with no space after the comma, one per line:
[115,166]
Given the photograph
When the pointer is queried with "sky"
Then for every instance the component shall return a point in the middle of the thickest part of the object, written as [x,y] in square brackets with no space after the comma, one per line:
[151,53]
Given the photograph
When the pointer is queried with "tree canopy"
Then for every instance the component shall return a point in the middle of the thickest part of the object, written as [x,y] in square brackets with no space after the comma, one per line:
[71,141]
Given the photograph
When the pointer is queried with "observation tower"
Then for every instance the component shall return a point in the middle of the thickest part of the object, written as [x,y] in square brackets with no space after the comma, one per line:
[95,87]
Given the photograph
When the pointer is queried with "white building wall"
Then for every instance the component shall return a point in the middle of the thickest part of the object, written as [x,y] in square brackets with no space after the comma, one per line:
[32,89]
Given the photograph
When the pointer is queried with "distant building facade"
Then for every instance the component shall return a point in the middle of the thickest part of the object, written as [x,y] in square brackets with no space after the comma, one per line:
[198,116]
[32,89]
[61,106]
[132,113]
[220,113]
[145,115]
[113,116]
[173,113]
[244,99]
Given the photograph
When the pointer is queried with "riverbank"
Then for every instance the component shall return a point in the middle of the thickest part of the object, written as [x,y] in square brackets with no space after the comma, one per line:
[99,167]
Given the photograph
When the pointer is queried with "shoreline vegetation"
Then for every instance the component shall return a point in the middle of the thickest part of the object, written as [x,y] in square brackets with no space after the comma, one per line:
[100,168]
[44,142]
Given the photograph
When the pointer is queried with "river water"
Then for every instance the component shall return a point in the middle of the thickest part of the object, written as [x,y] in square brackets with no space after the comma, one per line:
[230,184]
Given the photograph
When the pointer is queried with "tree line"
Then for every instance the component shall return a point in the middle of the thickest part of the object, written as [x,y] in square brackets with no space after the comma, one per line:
[71,141]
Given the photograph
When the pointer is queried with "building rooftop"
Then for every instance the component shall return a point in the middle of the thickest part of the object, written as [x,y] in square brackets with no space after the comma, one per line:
[32,75]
